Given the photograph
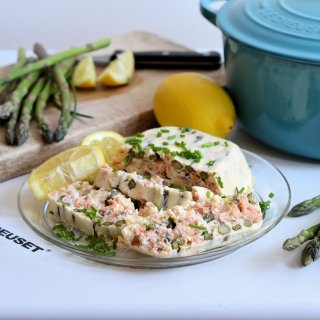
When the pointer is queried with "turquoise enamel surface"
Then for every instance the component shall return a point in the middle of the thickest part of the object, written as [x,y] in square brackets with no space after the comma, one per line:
[275,83]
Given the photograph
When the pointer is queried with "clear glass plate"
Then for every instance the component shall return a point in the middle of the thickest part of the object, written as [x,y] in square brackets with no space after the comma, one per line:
[267,179]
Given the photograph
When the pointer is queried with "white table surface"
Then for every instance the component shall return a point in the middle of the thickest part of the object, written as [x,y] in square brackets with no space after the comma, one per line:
[261,281]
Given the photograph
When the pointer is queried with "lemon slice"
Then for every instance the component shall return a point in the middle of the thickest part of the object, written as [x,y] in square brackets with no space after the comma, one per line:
[108,141]
[79,163]
[119,71]
[84,75]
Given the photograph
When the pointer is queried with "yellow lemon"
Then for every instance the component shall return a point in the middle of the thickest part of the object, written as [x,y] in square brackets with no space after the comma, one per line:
[79,163]
[194,100]
[108,141]
[84,75]
[119,71]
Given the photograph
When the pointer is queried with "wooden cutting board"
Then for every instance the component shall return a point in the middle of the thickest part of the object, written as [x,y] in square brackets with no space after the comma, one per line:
[125,109]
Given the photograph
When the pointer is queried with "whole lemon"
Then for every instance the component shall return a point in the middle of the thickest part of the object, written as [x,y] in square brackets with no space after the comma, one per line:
[193,100]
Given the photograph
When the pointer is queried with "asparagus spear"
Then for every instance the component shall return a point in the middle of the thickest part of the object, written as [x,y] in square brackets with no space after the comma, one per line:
[41,103]
[311,251]
[14,104]
[26,112]
[63,87]
[21,61]
[302,237]
[54,59]
[305,207]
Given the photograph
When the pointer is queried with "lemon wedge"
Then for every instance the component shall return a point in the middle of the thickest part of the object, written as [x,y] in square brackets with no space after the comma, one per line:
[119,71]
[79,163]
[108,141]
[84,75]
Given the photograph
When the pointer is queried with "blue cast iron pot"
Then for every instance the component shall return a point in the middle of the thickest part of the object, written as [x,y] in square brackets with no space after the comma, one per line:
[272,60]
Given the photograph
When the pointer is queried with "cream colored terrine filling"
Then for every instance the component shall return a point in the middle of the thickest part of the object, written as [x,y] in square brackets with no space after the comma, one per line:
[184,157]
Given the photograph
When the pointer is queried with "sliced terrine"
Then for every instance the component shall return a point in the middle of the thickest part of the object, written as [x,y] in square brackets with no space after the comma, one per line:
[140,188]
[186,157]
[91,210]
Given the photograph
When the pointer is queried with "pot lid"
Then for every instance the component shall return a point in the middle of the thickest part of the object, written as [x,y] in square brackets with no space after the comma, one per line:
[290,28]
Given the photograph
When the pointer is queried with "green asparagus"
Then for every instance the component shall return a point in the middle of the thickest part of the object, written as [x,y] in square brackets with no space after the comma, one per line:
[54,59]
[21,61]
[305,207]
[41,103]
[311,251]
[63,88]
[302,237]
[14,104]
[26,112]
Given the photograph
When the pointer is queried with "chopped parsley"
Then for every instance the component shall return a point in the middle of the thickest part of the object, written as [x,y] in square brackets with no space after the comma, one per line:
[63,233]
[195,226]
[188,154]
[99,244]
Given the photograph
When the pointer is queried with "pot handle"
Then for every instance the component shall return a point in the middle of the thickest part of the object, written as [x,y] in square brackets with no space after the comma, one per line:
[208,11]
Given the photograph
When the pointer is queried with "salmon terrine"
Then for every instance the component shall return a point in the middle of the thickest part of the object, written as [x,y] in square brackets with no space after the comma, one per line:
[184,158]
[110,208]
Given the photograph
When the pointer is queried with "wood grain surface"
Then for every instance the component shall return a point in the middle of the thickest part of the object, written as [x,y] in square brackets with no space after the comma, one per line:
[126,109]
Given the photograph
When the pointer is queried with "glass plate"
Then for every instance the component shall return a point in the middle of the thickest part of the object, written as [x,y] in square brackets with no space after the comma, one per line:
[267,179]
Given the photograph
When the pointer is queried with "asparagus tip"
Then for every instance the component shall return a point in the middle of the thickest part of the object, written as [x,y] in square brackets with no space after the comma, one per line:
[60,133]
[22,134]
[46,134]
[291,244]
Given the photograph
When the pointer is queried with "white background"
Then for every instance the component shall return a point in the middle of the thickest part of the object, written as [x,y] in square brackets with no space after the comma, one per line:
[61,23]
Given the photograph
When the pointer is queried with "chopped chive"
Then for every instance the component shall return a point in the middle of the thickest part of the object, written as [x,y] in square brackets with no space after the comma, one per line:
[226,143]
[183,130]
[159,134]
[193,132]
[182,135]
[165,143]
[239,191]
[210,163]
[140,135]
[207,145]
[220,182]
[271,195]
[195,226]
[165,130]
[181,144]
[208,194]
[172,137]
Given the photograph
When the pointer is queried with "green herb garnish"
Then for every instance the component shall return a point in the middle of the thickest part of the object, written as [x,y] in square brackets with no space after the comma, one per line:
[195,226]
[172,137]
[220,182]
[210,163]
[165,130]
[239,191]
[63,233]
[99,244]
[208,194]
